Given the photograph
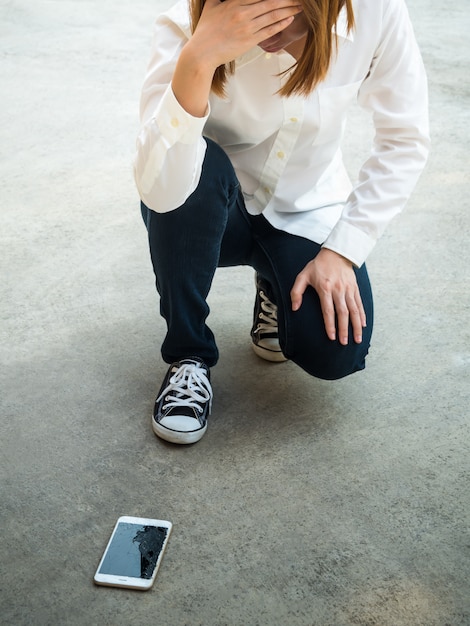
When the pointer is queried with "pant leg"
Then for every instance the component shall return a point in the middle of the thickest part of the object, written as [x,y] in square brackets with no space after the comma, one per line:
[280,257]
[185,247]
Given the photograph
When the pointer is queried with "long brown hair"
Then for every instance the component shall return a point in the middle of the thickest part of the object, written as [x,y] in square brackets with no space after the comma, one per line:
[312,66]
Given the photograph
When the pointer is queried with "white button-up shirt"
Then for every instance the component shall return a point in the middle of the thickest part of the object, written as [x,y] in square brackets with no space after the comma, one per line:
[286,151]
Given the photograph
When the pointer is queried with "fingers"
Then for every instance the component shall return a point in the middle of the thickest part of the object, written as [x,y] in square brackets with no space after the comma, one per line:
[276,19]
[297,292]
[326,301]
[269,16]
[339,312]
[349,310]
[228,29]
[334,280]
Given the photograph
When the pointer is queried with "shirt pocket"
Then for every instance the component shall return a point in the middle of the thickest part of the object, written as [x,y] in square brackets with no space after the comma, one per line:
[334,103]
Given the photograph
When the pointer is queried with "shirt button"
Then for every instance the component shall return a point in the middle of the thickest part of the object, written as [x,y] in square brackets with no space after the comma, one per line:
[175,122]
[267,190]
[267,55]
[294,120]
[280,154]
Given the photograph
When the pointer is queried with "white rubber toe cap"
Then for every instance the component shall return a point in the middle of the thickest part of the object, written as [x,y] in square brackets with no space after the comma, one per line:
[179,429]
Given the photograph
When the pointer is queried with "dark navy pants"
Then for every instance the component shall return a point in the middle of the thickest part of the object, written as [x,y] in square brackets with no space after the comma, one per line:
[213,229]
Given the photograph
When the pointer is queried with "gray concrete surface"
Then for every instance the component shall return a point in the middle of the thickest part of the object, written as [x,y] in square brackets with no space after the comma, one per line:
[307,503]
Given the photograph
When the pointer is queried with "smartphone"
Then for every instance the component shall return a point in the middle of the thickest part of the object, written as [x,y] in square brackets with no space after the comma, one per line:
[134,553]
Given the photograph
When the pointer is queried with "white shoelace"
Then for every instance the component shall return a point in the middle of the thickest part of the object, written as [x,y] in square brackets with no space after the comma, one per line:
[187,387]
[268,315]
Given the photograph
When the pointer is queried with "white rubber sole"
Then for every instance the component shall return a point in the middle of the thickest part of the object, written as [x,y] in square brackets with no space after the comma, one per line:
[175,436]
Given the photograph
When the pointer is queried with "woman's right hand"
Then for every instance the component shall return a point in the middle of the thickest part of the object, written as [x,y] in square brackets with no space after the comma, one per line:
[225,31]
[228,29]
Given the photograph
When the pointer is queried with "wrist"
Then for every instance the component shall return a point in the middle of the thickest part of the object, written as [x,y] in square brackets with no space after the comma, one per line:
[192,81]
[195,59]
[328,252]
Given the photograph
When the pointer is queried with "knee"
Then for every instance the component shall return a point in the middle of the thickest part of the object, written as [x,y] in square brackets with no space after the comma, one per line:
[332,361]
[308,345]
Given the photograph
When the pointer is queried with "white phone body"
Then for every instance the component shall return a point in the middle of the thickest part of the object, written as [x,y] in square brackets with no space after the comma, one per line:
[134,553]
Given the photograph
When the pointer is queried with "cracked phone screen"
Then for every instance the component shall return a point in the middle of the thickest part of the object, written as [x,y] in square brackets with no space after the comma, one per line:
[134,550]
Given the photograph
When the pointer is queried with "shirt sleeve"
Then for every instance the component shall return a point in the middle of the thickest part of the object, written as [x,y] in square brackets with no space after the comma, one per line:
[170,148]
[395,92]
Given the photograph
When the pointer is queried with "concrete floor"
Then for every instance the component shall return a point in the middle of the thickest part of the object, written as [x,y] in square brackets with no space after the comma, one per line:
[307,503]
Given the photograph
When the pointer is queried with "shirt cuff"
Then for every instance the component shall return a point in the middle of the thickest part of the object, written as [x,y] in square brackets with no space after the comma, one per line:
[175,124]
[350,242]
